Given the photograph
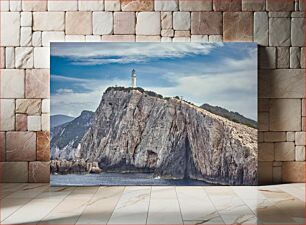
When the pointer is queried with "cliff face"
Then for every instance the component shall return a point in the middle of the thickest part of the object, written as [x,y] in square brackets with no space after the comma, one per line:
[135,131]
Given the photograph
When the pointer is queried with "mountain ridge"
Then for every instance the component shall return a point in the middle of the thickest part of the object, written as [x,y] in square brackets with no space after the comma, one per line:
[217,110]
[233,116]
[59,119]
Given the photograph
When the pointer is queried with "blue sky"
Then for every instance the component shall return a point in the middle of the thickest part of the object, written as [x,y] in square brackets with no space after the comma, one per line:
[223,74]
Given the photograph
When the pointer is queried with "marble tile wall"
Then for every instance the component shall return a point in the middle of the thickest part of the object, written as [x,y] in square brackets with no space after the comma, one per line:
[28,27]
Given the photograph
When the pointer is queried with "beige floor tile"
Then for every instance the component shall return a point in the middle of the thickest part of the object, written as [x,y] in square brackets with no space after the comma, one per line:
[213,218]
[5,193]
[164,207]
[82,193]
[163,193]
[164,212]
[247,192]
[67,212]
[238,215]
[230,205]
[195,204]
[298,191]
[9,206]
[273,193]
[101,206]
[70,209]
[29,191]
[293,207]
[279,204]
[218,190]
[55,193]
[270,215]
[32,212]
[61,218]
[132,207]
[226,202]
[11,187]
[255,204]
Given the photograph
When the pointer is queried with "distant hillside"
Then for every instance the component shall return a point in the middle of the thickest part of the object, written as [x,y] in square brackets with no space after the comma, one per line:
[233,116]
[66,137]
[57,120]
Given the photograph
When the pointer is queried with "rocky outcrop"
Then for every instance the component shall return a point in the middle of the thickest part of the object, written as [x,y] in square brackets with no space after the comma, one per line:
[134,130]
[78,166]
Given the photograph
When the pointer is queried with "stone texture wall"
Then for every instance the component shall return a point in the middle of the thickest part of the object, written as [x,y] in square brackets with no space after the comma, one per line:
[28,26]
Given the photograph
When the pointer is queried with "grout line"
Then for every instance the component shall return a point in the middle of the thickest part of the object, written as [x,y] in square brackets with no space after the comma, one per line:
[86,202]
[149,205]
[29,200]
[27,203]
[116,204]
[216,210]
[254,212]
[56,205]
[179,205]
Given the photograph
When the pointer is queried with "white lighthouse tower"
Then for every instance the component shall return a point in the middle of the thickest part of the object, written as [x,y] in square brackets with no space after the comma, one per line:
[133,77]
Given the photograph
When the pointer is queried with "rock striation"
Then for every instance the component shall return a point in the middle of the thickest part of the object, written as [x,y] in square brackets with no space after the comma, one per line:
[135,130]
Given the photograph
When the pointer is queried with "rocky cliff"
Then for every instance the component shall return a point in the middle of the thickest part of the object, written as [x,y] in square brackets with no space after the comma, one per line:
[134,130]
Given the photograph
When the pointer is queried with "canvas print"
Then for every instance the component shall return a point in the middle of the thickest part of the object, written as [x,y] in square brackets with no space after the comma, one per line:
[153,114]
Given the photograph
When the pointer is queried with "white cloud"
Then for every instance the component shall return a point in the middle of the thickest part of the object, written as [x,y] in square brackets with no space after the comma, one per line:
[233,91]
[72,103]
[103,53]
[229,83]
[64,91]
[233,86]
[65,78]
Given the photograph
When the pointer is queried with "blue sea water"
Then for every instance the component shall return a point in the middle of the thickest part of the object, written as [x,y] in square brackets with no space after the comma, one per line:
[119,179]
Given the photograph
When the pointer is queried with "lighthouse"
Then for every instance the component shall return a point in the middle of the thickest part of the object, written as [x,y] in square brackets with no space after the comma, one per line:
[133,77]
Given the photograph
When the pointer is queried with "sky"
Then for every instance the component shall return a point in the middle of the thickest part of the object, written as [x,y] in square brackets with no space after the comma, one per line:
[220,74]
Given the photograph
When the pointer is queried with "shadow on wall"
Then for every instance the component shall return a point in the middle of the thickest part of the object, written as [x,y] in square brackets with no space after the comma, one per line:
[279,113]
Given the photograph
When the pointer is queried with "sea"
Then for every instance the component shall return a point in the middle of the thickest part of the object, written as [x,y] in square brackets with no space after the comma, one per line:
[120,179]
